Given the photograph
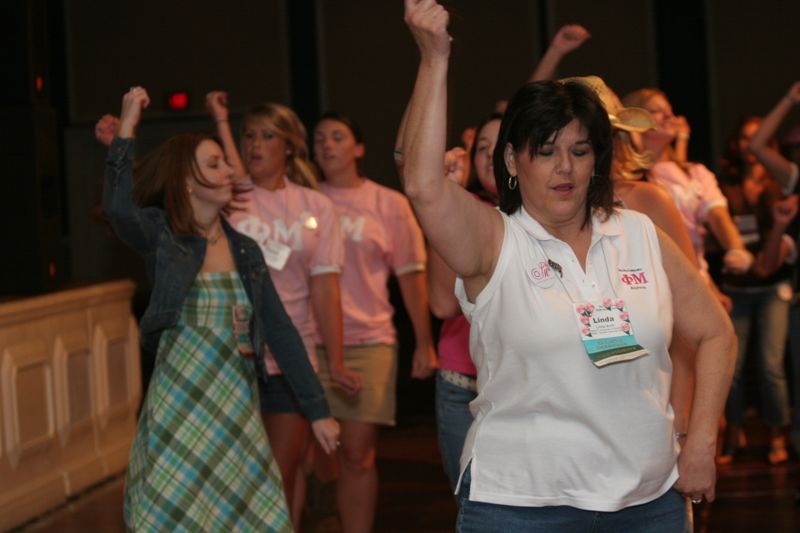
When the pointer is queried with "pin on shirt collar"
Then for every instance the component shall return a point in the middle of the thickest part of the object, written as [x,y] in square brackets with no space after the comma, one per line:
[555,266]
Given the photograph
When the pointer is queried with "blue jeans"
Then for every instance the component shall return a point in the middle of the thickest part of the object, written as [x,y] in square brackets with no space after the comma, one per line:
[453,420]
[666,514]
[771,315]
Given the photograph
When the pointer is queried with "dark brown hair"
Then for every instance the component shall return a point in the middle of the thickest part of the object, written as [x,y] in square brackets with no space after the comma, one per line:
[160,179]
[350,124]
[534,114]
[732,166]
[473,183]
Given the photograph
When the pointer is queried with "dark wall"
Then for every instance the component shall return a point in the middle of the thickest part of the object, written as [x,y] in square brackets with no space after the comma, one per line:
[364,61]
[369,60]
[198,46]
[622,49]
[719,60]
[753,59]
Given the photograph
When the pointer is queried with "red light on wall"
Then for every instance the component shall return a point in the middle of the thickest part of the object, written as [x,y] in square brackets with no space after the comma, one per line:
[39,84]
[178,101]
[51,269]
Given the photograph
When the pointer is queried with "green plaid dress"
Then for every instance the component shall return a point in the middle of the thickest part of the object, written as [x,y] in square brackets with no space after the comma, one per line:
[201,460]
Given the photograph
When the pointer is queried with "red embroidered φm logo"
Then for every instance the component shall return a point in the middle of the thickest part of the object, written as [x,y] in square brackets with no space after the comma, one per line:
[634,279]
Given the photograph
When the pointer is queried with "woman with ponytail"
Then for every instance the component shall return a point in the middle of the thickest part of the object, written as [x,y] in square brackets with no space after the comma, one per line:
[277,205]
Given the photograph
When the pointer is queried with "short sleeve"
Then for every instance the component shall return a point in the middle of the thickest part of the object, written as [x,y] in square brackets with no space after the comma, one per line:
[406,243]
[328,257]
[710,193]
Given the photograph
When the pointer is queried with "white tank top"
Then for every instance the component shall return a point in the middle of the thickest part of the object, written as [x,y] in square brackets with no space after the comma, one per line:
[550,427]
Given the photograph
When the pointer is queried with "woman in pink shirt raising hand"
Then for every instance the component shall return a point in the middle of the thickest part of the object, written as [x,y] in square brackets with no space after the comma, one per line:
[381,237]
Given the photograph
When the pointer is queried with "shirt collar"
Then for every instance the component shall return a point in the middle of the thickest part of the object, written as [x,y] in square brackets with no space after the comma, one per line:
[609,227]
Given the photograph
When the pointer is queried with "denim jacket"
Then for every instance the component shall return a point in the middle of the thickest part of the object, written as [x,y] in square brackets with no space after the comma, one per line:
[173,263]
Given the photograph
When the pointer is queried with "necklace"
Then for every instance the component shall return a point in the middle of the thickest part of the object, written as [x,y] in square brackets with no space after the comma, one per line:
[213,240]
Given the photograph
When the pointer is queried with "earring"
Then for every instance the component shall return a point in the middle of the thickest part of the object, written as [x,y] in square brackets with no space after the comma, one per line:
[512,182]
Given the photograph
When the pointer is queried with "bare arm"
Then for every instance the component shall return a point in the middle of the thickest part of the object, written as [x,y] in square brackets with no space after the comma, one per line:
[652,200]
[399,149]
[773,160]
[737,258]
[723,228]
[568,38]
[217,105]
[446,212]
[683,382]
[776,248]
[680,151]
[327,307]
[655,202]
[442,278]
[130,223]
[415,298]
[441,285]
[703,323]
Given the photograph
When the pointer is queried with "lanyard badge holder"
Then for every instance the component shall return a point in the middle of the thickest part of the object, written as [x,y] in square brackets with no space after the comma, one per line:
[607,332]
[241,331]
[276,254]
[604,326]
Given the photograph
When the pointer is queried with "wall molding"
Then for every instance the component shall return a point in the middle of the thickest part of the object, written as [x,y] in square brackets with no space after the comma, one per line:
[70,387]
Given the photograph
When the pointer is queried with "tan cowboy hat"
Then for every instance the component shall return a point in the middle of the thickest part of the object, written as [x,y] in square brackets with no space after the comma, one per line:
[623,118]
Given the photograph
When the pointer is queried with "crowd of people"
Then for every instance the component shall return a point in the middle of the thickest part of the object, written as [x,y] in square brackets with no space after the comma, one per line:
[599,292]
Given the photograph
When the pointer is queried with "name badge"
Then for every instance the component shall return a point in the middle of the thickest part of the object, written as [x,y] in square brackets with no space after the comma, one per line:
[276,254]
[607,332]
[241,330]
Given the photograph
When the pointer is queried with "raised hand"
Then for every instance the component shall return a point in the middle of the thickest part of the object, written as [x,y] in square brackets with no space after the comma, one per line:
[682,128]
[241,201]
[456,163]
[468,138]
[682,133]
[569,37]
[133,102]
[217,105]
[106,129]
[794,93]
[428,21]
[784,211]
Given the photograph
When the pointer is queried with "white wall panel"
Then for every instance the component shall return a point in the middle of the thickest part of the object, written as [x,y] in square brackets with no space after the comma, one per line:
[69,392]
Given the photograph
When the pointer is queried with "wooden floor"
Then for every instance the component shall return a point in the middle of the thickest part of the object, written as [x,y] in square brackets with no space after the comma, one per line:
[752,495]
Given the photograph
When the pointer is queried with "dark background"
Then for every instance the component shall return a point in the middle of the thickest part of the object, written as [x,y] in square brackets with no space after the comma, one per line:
[718,60]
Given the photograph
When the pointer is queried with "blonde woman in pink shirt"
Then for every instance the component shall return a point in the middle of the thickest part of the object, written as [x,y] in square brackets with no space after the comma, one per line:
[298,232]
[382,237]
[692,186]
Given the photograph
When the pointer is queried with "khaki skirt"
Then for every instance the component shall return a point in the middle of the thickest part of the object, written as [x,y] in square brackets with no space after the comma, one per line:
[377,366]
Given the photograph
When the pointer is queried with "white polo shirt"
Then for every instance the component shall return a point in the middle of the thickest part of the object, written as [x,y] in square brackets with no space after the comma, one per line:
[550,427]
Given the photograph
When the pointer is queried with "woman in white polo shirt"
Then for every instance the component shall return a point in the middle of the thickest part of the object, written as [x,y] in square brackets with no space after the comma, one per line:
[571,306]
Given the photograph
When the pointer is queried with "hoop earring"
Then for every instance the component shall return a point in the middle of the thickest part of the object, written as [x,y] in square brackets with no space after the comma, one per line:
[512,182]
